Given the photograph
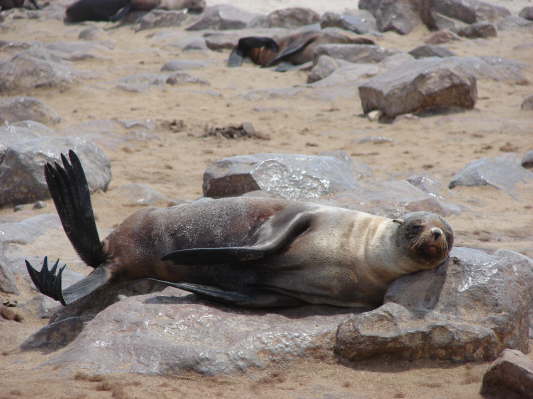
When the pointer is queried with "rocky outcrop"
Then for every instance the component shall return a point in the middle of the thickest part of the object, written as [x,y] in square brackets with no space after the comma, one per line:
[469,309]
[470,11]
[510,376]
[400,16]
[424,86]
[222,17]
[290,176]
[291,18]
[15,109]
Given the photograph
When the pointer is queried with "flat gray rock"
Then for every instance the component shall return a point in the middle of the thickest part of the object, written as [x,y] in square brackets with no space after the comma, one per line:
[510,376]
[526,13]
[161,19]
[393,15]
[424,86]
[360,24]
[470,11]
[16,109]
[183,65]
[21,171]
[291,176]
[221,41]
[469,309]
[527,160]
[222,17]
[355,53]
[478,30]
[428,50]
[503,172]
[171,333]
[8,282]
[324,66]
[35,68]
[292,17]
[28,230]
[76,50]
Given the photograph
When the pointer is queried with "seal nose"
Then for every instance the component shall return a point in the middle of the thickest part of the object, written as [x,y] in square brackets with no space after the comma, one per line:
[436,233]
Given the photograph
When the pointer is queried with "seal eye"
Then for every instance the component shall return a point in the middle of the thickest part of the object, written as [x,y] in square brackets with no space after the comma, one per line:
[417,228]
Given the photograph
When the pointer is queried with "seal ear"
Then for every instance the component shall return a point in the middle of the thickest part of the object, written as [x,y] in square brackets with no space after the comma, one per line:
[399,221]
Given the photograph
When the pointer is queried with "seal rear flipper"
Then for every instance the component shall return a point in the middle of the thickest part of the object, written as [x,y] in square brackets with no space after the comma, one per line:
[292,48]
[48,282]
[272,243]
[70,191]
[259,299]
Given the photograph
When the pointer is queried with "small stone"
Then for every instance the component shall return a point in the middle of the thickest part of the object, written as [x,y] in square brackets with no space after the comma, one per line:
[374,115]
[478,30]
[527,104]
[39,205]
[527,161]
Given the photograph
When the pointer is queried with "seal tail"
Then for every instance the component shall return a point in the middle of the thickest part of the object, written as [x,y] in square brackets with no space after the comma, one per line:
[70,192]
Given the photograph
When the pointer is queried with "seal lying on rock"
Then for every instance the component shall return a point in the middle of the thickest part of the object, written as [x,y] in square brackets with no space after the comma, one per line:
[253,252]
[114,10]
[295,49]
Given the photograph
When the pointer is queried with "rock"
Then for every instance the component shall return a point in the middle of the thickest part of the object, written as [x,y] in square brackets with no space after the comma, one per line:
[325,66]
[527,161]
[429,50]
[353,23]
[441,37]
[469,309]
[290,176]
[527,104]
[502,172]
[158,18]
[197,44]
[76,50]
[171,333]
[179,78]
[478,30]
[374,139]
[510,376]
[374,116]
[424,86]
[526,13]
[487,67]
[291,18]
[470,11]
[54,336]
[21,170]
[221,41]
[514,22]
[35,68]
[356,53]
[400,16]
[141,81]
[27,231]
[183,65]
[222,17]
[92,33]
[8,283]
[16,109]
[140,194]
[245,130]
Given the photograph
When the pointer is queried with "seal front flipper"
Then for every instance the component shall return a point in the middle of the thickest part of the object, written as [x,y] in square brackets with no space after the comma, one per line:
[252,47]
[280,235]
[259,298]
[48,282]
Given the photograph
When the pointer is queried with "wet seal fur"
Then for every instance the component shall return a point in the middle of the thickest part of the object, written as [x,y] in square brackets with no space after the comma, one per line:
[295,49]
[245,251]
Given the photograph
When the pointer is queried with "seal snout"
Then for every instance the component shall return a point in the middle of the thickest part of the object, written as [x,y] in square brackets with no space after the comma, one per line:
[436,233]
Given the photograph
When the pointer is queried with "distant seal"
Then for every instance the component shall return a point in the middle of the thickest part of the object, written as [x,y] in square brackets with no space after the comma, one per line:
[245,251]
[114,10]
[295,49]
[9,4]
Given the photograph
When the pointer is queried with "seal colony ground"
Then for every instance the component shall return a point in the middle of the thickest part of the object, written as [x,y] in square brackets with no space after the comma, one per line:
[251,252]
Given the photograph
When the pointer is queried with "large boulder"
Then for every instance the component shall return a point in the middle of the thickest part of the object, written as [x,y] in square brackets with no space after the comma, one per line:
[291,176]
[360,24]
[171,333]
[510,376]
[16,109]
[221,17]
[35,68]
[469,309]
[470,11]
[22,162]
[425,86]
[503,172]
[400,16]
[291,18]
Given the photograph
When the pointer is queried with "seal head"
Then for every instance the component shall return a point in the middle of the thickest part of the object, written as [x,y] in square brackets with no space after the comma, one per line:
[426,237]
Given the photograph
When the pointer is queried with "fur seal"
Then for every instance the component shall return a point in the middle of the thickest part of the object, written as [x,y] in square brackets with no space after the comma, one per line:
[244,251]
[114,10]
[295,49]
[9,4]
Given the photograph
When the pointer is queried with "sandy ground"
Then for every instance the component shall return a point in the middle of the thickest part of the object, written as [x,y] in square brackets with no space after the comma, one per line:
[173,163]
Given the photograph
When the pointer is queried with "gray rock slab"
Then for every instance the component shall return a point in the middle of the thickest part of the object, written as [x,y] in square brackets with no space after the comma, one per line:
[478,30]
[21,171]
[54,336]
[171,333]
[527,160]
[526,13]
[92,33]
[16,109]
[469,309]
[76,50]
[8,282]
[161,19]
[425,86]
[428,50]
[221,41]
[503,172]
[510,376]
[527,104]
[292,17]
[324,66]
[393,15]
[222,17]
[360,24]
[183,65]
[28,230]
[35,68]
[355,53]
[291,176]
[141,81]
[347,75]
[470,11]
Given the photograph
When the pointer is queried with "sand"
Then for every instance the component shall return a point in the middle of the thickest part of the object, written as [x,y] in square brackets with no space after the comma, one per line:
[173,163]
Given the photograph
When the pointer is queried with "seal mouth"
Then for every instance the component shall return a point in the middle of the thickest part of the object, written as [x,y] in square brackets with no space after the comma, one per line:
[429,247]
